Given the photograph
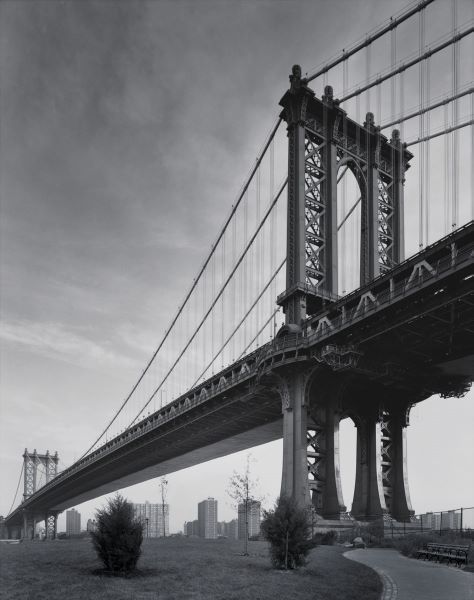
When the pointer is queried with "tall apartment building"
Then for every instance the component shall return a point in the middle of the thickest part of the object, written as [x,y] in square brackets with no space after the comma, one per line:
[191,528]
[253,516]
[446,520]
[73,522]
[207,517]
[451,520]
[229,529]
[155,518]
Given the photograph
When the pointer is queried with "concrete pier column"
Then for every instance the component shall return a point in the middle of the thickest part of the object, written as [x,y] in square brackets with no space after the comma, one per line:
[28,526]
[369,500]
[401,509]
[333,504]
[294,480]
[24,529]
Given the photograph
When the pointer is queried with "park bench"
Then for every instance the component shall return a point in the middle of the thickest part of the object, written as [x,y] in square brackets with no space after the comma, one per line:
[445,552]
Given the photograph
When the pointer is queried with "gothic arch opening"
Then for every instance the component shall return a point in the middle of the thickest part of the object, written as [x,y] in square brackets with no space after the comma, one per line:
[348,459]
[348,225]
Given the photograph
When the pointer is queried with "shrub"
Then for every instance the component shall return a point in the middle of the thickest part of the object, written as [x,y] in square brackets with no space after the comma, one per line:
[288,530]
[118,537]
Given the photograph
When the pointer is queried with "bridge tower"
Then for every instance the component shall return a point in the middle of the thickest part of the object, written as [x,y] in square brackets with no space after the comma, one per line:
[31,462]
[322,139]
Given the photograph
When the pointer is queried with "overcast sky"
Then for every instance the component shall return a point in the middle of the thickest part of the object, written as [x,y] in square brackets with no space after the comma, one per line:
[127,129]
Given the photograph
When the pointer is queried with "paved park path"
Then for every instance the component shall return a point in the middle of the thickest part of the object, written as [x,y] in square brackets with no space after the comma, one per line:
[411,579]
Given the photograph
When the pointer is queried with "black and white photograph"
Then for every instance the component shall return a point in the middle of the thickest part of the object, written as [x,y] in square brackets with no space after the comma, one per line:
[236,299]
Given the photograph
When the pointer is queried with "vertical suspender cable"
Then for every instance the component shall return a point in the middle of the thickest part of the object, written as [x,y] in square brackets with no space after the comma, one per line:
[421,121]
[379,117]
[195,322]
[204,286]
[447,186]
[454,134]
[257,255]
[367,75]
[213,313]
[472,157]
[272,235]
[343,237]
[357,222]
[186,333]
[234,280]
[393,60]
[223,307]
[246,261]
[402,130]
[427,158]
[241,281]
[402,104]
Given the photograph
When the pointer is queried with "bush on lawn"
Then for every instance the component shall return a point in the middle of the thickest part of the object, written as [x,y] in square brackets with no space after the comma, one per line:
[288,529]
[118,537]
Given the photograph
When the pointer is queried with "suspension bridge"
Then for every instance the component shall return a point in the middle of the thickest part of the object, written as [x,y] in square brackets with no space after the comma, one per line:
[340,286]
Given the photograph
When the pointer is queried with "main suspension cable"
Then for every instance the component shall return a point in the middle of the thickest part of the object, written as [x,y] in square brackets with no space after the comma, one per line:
[392,23]
[442,132]
[231,336]
[195,282]
[270,318]
[17,488]
[221,291]
[430,107]
[406,65]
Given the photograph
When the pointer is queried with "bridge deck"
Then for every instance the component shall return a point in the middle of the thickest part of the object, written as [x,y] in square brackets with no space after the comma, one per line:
[428,299]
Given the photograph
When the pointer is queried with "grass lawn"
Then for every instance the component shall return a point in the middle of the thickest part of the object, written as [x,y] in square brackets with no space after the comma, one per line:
[180,569]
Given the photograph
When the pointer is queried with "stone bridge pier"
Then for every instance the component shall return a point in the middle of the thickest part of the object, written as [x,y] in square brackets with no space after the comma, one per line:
[29,526]
[30,519]
[314,402]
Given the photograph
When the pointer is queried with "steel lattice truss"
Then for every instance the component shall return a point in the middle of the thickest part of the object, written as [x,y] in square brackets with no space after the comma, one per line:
[322,141]
[32,461]
[385,223]
[314,176]
[386,451]
[316,457]
[31,468]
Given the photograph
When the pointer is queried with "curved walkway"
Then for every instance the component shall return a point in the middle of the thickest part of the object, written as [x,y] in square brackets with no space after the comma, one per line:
[411,579]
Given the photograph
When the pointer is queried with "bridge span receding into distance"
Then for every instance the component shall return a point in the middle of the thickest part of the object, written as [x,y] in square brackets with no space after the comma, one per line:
[374,340]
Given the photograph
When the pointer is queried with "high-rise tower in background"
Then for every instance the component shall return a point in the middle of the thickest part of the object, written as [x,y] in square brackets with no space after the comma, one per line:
[155,518]
[73,522]
[207,517]
[253,517]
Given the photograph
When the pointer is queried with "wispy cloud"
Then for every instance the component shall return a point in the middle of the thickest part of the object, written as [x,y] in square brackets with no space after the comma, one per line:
[55,340]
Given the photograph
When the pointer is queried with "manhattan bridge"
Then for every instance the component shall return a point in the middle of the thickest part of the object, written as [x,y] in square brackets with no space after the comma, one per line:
[364,248]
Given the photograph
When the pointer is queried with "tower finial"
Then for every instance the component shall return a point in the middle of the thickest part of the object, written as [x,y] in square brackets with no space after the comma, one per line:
[295,79]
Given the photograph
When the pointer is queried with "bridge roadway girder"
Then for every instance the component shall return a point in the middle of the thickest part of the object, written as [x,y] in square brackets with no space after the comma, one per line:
[374,362]
[216,428]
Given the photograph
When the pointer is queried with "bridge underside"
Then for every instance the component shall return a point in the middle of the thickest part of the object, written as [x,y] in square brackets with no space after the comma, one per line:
[220,427]
[248,439]
[370,356]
